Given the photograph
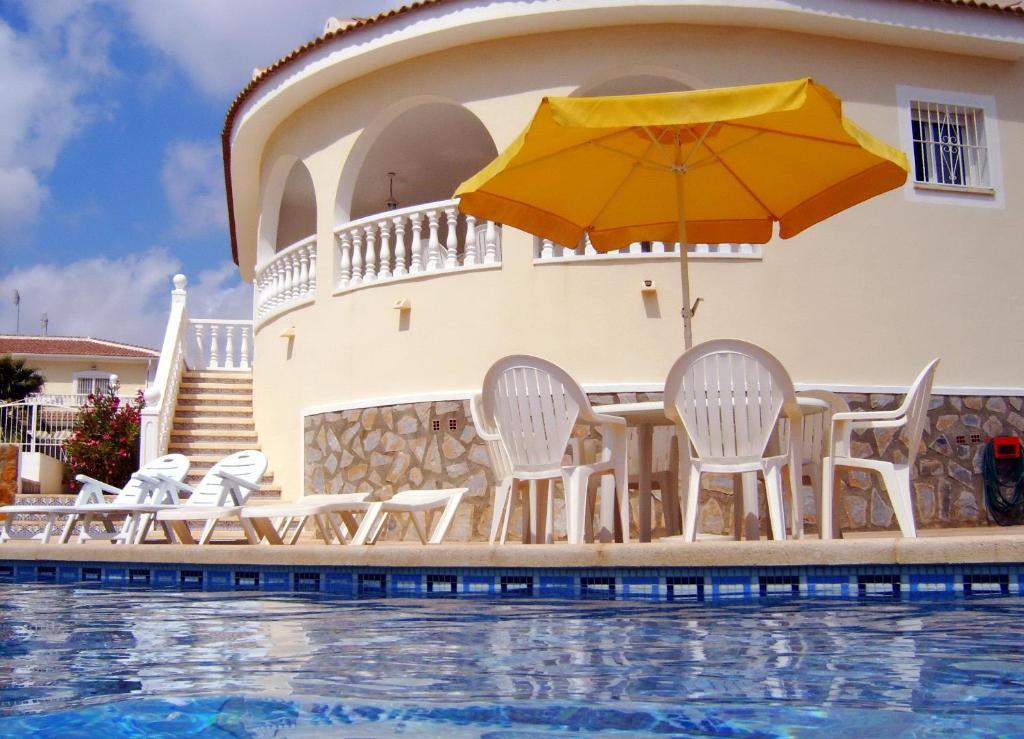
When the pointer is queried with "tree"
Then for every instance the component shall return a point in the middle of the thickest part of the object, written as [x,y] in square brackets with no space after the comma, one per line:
[17,380]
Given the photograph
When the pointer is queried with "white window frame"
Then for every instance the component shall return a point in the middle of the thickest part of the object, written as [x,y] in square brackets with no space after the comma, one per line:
[90,375]
[985,197]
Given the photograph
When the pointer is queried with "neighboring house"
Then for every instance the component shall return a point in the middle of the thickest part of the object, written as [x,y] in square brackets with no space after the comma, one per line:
[75,366]
[342,157]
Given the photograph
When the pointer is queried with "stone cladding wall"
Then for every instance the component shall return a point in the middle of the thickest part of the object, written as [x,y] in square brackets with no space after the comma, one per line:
[434,445]
[8,473]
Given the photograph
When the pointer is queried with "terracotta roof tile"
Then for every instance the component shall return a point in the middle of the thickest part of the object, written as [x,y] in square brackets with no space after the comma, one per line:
[1010,7]
[73,346]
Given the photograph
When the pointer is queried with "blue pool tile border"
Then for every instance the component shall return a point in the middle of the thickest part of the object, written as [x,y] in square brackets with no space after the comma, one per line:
[612,583]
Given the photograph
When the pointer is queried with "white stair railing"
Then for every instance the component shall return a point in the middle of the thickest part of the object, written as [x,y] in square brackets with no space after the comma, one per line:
[202,343]
[162,395]
[432,237]
[287,280]
[225,346]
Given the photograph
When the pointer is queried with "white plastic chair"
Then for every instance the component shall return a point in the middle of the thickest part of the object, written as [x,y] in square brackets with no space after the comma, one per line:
[140,487]
[534,405]
[911,416]
[501,464]
[416,504]
[725,397]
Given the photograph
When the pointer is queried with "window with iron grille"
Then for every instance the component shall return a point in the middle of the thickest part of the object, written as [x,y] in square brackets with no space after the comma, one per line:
[949,145]
[92,382]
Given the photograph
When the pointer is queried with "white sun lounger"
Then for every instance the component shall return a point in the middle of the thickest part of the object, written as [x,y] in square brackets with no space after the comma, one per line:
[91,504]
[332,515]
[417,504]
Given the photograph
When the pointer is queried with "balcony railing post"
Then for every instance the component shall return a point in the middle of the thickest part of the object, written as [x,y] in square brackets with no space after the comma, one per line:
[244,349]
[451,259]
[399,222]
[229,347]
[470,257]
[357,257]
[433,241]
[344,259]
[370,273]
[214,347]
[417,243]
[491,243]
[384,272]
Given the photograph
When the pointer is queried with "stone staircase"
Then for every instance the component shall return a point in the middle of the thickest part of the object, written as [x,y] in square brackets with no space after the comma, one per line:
[212,419]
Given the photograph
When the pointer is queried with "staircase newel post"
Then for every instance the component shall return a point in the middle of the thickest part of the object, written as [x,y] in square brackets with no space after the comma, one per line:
[154,422]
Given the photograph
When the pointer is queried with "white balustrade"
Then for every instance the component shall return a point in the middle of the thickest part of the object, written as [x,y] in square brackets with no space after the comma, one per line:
[433,237]
[221,345]
[288,279]
[547,250]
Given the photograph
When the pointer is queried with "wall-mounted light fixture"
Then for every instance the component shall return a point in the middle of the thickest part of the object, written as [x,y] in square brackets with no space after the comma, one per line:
[648,286]
[402,304]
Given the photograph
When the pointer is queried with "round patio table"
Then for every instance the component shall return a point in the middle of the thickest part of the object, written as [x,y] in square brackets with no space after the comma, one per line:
[644,417]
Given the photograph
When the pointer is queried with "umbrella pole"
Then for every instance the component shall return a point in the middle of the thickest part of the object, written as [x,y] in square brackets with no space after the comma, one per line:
[684,260]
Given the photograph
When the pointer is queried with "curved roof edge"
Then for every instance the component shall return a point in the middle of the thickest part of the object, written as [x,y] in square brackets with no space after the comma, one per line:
[1005,8]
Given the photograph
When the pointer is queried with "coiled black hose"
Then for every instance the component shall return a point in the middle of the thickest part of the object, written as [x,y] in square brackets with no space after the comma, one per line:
[1006,508]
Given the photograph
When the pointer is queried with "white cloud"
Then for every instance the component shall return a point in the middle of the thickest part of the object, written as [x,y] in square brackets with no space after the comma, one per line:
[124,299]
[46,71]
[218,44]
[193,182]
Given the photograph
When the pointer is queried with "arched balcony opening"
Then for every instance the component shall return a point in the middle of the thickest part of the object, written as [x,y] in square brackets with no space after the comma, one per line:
[286,257]
[394,208]
[297,213]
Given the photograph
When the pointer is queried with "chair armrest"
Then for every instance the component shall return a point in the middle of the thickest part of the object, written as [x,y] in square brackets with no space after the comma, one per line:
[105,487]
[232,490]
[92,490]
[172,487]
[602,419]
[869,415]
[476,412]
[238,480]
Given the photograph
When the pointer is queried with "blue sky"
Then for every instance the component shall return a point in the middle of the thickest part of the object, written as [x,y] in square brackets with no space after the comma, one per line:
[111,179]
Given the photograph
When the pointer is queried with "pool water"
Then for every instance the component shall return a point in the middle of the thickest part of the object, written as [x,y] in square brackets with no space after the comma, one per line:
[79,661]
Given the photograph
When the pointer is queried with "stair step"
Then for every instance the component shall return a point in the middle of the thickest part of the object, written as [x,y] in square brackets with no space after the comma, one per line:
[204,423]
[213,447]
[205,401]
[212,407]
[241,376]
[191,393]
[212,439]
[240,410]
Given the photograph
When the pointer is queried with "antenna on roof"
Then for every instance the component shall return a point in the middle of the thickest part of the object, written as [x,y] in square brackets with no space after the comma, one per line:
[44,323]
[17,306]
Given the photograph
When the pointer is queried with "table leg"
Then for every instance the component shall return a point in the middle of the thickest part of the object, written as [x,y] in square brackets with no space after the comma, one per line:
[606,533]
[645,435]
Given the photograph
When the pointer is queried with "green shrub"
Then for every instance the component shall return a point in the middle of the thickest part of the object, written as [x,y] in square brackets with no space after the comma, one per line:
[105,441]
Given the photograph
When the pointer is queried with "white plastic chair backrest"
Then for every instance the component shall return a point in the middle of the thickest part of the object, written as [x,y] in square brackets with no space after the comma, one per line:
[501,465]
[817,426]
[535,405]
[136,490]
[915,405]
[248,465]
[728,395]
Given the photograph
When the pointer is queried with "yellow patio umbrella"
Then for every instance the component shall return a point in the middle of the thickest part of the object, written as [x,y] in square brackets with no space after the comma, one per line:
[706,166]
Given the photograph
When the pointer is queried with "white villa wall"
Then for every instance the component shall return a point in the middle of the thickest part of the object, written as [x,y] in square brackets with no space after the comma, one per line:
[60,373]
[862,300]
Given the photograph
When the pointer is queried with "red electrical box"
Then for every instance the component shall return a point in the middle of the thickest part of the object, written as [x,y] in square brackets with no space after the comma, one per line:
[1006,447]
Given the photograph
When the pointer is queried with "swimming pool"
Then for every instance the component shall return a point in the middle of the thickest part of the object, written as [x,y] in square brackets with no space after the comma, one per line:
[82,661]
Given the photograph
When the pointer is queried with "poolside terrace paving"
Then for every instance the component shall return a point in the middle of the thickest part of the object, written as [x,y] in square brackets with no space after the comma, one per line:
[933,547]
